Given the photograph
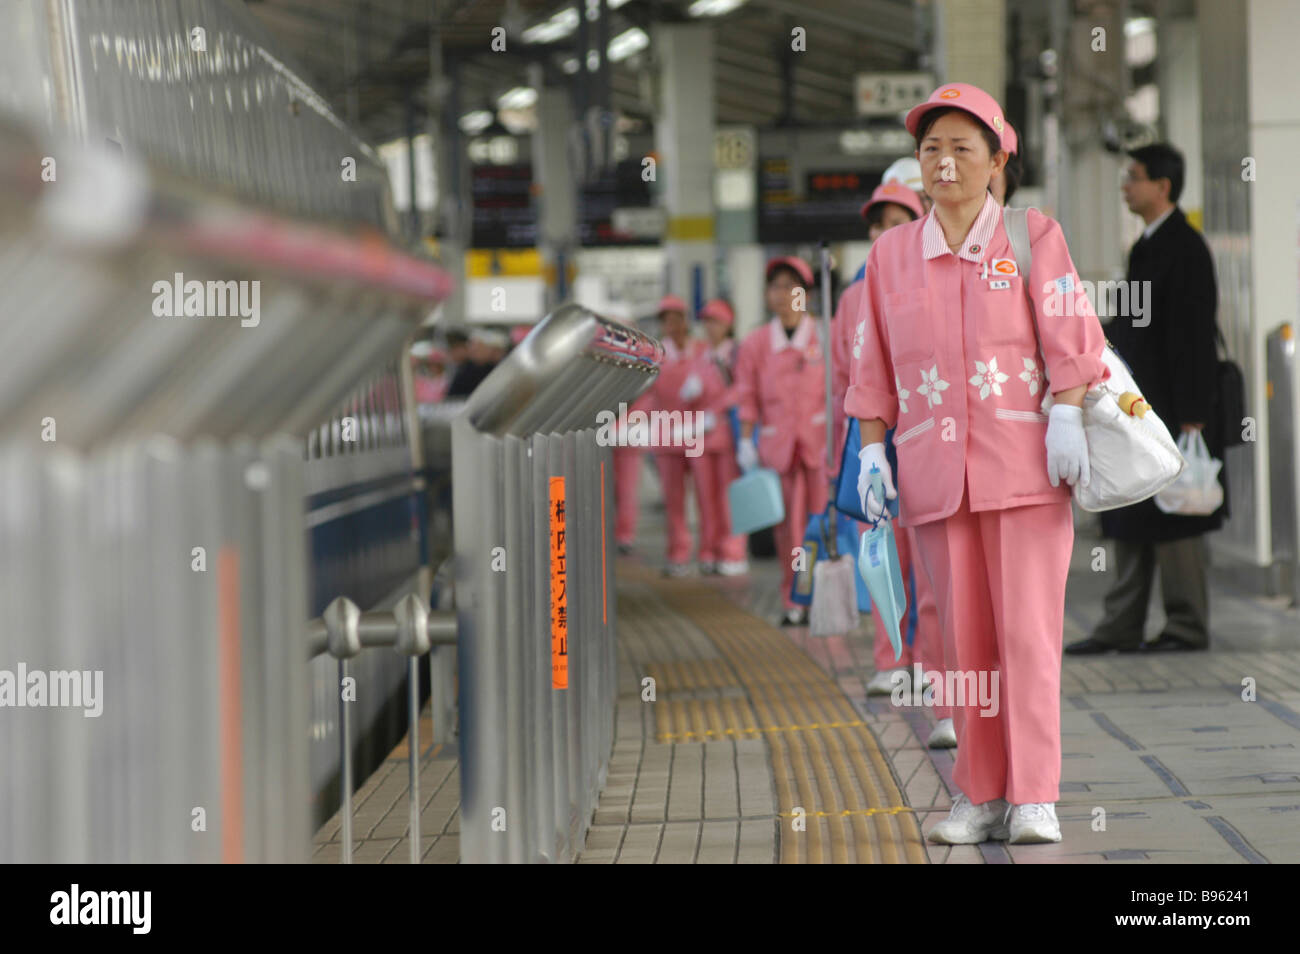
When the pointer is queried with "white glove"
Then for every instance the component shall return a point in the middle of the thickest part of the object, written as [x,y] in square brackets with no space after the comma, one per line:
[869,456]
[747,455]
[1067,448]
[692,389]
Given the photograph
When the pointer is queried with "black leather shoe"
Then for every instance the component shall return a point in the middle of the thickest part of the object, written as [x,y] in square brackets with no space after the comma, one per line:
[1090,647]
[1169,644]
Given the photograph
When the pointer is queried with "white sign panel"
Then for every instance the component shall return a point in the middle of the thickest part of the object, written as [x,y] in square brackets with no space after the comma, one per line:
[887,94]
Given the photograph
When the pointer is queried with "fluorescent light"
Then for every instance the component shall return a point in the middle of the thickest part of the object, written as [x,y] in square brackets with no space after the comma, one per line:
[521,97]
[556,28]
[593,60]
[713,8]
[474,122]
[570,65]
[1139,25]
[627,43]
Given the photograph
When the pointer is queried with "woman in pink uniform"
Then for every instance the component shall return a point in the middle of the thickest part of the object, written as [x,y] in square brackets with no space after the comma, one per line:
[628,459]
[946,328]
[781,390]
[716,468]
[890,205]
[680,387]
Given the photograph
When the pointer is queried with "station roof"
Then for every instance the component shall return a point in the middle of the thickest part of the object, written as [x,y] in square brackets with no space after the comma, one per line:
[367,56]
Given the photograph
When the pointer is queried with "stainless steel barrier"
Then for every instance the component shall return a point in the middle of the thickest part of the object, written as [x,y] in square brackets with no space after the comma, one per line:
[533,757]
[153,475]
[1283,472]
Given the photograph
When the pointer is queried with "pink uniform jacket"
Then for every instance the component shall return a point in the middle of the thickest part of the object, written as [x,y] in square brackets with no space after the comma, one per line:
[781,386]
[678,365]
[946,351]
[720,395]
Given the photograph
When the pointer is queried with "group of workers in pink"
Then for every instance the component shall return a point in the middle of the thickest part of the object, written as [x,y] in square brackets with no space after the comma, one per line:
[945,348]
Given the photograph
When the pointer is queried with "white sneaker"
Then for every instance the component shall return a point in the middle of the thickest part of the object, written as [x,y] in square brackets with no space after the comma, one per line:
[708,567]
[883,682]
[733,567]
[969,824]
[677,570]
[943,736]
[1033,824]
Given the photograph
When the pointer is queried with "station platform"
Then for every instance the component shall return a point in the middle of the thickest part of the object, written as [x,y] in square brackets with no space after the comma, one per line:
[751,722]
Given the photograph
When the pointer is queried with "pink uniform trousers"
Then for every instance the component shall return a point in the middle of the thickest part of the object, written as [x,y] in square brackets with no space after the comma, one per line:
[672,475]
[627,473]
[713,473]
[927,645]
[999,580]
[803,489]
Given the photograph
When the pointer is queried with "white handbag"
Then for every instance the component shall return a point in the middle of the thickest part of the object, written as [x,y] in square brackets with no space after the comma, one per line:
[1130,454]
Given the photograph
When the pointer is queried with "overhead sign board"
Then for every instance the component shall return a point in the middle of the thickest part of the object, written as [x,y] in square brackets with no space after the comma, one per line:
[887,94]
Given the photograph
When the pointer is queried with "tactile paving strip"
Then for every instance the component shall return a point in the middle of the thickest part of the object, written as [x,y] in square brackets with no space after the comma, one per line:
[826,761]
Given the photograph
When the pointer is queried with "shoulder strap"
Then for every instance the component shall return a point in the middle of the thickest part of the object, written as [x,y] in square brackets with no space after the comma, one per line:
[1016,222]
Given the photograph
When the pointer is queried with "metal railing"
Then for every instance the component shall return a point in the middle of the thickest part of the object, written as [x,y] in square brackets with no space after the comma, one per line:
[533,506]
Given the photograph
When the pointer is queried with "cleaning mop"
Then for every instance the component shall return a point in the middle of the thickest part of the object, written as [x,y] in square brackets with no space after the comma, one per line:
[835,594]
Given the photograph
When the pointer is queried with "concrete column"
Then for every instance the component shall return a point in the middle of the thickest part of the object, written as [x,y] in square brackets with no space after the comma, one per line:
[684,144]
[556,198]
[1094,87]
[1253,225]
[1178,75]
[971,44]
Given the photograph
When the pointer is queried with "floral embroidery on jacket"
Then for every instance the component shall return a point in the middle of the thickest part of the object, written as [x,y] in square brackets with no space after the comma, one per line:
[931,386]
[988,377]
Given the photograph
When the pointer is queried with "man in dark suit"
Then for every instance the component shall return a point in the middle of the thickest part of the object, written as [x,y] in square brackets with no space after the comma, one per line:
[1170,349]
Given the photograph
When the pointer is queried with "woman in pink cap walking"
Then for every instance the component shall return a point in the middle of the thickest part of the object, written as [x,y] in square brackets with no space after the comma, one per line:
[781,390]
[947,350]
[716,468]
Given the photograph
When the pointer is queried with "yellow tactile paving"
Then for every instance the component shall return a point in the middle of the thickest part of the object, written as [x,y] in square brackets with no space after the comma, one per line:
[825,759]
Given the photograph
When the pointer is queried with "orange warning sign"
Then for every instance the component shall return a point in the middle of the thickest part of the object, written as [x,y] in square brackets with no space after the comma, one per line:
[559,596]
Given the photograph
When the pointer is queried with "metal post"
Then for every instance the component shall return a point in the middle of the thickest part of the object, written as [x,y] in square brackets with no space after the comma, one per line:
[345,759]
[413,755]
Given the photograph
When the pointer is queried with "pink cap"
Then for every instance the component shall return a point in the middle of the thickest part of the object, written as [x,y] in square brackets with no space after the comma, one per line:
[898,194]
[801,268]
[519,332]
[965,97]
[719,309]
[671,303]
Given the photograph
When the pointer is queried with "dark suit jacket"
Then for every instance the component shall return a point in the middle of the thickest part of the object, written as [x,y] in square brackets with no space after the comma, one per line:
[1173,360]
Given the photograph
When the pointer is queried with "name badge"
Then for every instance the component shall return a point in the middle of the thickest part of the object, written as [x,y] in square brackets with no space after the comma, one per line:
[999,284]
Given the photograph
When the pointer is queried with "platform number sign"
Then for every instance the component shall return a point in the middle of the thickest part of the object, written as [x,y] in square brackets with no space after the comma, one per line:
[887,94]
[559,596]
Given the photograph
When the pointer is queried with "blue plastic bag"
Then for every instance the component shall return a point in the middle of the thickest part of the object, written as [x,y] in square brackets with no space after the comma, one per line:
[846,488]
[755,501]
[878,565]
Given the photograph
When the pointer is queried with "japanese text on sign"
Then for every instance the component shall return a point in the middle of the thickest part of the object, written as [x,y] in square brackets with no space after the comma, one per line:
[559,598]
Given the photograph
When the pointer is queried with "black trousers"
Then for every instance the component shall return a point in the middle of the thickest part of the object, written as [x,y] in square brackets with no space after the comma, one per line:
[1183,588]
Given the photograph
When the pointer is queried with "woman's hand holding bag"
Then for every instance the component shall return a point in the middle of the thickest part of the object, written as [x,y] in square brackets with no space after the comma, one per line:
[1067,447]
[873,455]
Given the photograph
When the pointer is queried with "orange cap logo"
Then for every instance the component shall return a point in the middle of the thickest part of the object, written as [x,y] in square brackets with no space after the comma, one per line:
[950,94]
